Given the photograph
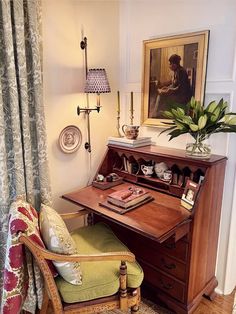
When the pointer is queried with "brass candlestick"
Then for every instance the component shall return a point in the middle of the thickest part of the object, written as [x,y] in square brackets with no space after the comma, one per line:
[118,114]
[131,109]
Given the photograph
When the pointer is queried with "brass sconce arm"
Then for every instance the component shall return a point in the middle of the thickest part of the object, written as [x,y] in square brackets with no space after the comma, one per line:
[87,110]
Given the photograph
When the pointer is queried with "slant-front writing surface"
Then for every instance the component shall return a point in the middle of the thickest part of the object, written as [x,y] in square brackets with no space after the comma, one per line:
[155,219]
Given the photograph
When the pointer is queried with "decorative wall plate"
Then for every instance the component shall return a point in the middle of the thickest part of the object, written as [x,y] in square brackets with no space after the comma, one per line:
[70,139]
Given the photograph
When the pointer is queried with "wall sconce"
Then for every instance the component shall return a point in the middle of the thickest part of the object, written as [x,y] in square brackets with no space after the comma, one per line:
[96,82]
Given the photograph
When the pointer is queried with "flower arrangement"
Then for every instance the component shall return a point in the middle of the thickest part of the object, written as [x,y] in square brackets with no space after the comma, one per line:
[200,123]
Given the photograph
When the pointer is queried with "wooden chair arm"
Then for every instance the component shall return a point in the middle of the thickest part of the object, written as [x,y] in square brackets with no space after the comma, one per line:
[77,214]
[110,256]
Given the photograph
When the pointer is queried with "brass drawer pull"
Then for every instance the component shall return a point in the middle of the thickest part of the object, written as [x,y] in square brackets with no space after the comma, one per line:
[168,266]
[166,286]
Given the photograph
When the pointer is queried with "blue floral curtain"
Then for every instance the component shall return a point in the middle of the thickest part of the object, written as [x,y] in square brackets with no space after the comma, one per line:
[23,158]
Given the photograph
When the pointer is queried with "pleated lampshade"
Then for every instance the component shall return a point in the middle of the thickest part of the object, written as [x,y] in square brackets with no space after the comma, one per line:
[97,82]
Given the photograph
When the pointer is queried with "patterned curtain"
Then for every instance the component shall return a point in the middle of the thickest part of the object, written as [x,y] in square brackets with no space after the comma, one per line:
[23,162]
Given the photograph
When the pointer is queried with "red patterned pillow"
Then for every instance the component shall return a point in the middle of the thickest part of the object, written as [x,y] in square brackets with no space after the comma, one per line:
[23,218]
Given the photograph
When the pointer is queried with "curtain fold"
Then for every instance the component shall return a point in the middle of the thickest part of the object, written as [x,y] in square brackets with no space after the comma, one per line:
[23,157]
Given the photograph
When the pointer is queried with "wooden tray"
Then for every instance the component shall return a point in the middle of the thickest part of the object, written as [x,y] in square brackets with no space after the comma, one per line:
[122,210]
[104,185]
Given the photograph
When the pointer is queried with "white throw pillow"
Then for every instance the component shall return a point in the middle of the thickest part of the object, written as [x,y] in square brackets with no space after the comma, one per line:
[57,239]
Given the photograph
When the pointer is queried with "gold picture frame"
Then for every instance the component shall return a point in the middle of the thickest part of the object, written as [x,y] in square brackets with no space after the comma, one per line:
[158,55]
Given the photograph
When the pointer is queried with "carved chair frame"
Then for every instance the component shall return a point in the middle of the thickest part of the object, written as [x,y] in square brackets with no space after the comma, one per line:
[123,300]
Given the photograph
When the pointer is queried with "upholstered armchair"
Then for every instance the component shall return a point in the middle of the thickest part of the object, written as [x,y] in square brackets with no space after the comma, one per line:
[101,274]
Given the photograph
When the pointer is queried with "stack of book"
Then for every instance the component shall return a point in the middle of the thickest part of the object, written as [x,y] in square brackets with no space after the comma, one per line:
[129,197]
[123,141]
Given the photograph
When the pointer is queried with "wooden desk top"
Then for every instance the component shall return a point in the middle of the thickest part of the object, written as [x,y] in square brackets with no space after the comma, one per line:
[158,220]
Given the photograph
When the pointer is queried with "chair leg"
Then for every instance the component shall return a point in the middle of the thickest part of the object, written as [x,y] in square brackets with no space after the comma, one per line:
[45,302]
[123,287]
[135,309]
[136,294]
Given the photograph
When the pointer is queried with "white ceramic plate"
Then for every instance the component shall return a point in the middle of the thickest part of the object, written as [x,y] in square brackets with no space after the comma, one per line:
[70,139]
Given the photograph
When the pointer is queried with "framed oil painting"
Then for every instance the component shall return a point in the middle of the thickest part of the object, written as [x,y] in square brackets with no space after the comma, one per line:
[174,70]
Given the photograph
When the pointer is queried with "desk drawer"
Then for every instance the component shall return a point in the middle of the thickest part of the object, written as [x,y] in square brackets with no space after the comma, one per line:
[177,249]
[156,258]
[163,282]
[170,266]
[151,249]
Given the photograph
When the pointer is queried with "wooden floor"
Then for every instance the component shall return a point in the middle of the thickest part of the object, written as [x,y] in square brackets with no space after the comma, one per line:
[220,305]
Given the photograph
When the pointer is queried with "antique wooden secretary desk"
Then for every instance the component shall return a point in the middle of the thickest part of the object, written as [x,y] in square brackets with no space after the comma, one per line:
[177,248]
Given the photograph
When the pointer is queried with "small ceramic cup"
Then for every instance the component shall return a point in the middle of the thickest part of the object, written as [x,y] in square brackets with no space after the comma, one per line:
[130,131]
[167,175]
[160,168]
[100,178]
[147,170]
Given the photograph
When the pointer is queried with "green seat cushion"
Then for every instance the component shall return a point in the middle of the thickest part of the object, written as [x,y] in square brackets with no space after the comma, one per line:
[99,279]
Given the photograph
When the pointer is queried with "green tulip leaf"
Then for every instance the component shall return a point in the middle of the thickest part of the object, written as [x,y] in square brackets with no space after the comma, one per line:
[225,119]
[211,107]
[175,113]
[232,121]
[176,133]
[167,114]
[192,102]
[179,125]
[225,105]
[193,127]
[216,114]
[166,130]
[168,123]
[226,130]
[181,112]
[202,122]
[187,120]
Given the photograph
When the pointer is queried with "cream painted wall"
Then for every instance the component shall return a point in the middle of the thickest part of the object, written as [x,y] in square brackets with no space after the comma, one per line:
[65,23]
[147,19]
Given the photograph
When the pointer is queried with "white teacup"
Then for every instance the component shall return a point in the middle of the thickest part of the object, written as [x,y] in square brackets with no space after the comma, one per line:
[160,168]
[130,131]
[167,175]
[147,170]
